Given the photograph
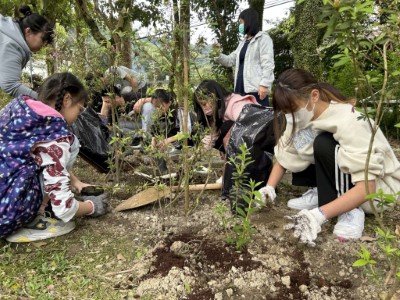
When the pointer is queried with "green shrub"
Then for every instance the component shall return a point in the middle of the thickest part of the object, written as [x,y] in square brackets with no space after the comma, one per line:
[4,99]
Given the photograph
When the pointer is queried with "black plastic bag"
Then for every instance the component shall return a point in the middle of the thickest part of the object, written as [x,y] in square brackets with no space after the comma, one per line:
[94,139]
[254,127]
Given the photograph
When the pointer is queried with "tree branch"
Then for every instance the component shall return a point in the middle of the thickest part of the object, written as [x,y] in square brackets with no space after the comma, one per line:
[91,23]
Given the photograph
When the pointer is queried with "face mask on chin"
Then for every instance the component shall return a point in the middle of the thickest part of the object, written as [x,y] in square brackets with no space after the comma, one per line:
[303,116]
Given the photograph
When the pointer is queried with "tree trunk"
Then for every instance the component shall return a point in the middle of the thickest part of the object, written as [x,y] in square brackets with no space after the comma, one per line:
[177,46]
[185,22]
[258,5]
[51,59]
[126,44]
[304,39]
[91,23]
[125,41]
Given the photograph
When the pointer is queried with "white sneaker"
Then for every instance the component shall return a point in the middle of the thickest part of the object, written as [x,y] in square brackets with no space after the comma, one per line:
[219,180]
[41,228]
[350,225]
[173,152]
[202,170]
[308,200]
[137,147]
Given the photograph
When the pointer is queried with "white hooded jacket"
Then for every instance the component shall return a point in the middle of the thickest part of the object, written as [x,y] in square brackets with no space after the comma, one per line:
[353,134]
[258,63]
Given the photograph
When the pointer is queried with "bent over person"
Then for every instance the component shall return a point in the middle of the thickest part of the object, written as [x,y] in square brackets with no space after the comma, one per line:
[18,40]
[326,141]
[37,152]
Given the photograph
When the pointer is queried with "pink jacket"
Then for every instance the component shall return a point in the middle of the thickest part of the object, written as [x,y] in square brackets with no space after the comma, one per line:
[234,105]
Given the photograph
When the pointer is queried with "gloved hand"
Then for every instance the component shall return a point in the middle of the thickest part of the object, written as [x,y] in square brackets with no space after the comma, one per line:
[100,204]
[216,50]
[267,194]
[306,225]
[209,140]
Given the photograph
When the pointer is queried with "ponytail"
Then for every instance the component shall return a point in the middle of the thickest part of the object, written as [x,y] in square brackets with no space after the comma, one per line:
[36,23]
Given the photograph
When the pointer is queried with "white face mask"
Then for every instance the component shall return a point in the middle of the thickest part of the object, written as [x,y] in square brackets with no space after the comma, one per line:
[289,118]
[303,116]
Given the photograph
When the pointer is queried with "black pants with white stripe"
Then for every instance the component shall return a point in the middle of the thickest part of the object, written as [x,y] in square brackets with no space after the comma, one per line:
[325,174]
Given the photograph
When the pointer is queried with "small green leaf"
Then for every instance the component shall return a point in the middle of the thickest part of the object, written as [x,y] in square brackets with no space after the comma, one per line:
[240,211]
[360,263]
[380,232]
[251,210]
[345,8]
[342,62]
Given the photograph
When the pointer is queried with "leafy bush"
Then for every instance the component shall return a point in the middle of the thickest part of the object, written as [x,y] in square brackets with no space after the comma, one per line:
[4,99]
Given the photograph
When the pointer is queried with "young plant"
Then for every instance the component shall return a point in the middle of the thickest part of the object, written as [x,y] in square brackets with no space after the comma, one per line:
[365,259]
[118,143]
[243,198]
[383,200]
[222,211]
[244,229]
[390,248]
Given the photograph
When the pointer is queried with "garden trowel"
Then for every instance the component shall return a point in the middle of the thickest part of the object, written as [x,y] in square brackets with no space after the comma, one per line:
[153,194]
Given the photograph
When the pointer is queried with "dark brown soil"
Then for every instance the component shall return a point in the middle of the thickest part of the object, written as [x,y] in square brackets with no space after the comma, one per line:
[211,259]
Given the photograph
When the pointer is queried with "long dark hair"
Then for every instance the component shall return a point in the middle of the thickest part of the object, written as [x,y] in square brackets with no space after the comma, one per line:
[210,89]
[170,118]
[167,97]
[295,84]
[56,86]
[36,23]
[164,96]
[251,21]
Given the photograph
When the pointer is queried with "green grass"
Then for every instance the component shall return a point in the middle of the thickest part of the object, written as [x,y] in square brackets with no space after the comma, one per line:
[70,267]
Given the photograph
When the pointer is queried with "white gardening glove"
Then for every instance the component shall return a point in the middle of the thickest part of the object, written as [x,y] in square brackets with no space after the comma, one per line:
[209,141]
[267,194]
[306,225]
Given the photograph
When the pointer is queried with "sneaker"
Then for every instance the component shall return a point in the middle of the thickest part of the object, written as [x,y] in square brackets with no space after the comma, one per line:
[137,147]
[219,180]
[202,170]
[350,225]
[308,200]
[173,152]
[41,228]
[167,175]
[136,142]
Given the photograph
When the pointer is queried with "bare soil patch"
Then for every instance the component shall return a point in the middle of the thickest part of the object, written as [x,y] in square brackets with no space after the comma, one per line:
[156,252]
[190,258]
